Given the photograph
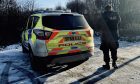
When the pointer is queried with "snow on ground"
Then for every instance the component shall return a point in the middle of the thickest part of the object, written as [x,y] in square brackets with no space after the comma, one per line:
[15,68]
[12,47]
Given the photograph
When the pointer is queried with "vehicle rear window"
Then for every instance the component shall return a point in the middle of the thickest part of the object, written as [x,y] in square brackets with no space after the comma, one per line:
[65,22]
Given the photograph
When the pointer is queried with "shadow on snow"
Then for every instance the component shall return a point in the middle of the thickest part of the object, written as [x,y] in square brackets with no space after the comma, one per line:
[101,74]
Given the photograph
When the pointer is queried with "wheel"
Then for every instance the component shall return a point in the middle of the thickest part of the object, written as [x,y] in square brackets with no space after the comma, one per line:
[24,50]
[32,61]
[36,63]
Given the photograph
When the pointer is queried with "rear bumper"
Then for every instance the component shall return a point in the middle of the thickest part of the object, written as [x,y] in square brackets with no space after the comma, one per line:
[66,58]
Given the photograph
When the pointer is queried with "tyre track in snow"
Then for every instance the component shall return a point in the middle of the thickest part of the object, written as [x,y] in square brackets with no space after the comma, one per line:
[29,74]
[5,73]
[10,63]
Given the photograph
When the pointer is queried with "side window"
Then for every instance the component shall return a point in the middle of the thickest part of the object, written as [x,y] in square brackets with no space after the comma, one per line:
[35,21]
[30,22]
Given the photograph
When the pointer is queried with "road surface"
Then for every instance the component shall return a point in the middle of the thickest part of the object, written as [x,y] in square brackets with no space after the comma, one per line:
[15,68]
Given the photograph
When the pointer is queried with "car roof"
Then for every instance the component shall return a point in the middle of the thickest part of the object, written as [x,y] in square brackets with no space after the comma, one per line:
[55,14]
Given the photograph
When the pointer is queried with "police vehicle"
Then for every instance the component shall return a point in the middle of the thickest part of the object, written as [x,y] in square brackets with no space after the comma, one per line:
[57,37]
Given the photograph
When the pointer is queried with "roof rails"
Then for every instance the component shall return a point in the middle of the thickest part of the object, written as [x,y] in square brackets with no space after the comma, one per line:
[52,11]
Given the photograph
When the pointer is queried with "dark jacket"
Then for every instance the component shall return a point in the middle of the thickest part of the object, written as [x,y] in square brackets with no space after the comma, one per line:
[108,26]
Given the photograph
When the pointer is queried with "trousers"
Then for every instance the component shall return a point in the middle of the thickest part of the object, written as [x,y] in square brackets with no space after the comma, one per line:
[106,47]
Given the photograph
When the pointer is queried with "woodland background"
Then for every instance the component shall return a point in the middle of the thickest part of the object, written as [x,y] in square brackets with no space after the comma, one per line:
[13,16]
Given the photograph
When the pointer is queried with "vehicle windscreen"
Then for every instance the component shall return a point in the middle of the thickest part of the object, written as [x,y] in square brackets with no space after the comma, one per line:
[65,22]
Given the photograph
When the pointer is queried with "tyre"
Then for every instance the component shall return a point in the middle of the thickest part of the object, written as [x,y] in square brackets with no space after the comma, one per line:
[36,63]
[24,50]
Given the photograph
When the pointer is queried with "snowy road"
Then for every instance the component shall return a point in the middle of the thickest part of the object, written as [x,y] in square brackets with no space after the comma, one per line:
[15,68]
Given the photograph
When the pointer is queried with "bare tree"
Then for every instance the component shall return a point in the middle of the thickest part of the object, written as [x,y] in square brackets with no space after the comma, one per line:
[77,6]
[59,7]
[12,18]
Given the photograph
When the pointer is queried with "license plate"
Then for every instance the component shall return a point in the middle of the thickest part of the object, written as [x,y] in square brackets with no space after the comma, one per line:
[72,38]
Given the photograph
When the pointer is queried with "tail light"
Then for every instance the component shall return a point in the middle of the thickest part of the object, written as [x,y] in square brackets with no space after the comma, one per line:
[89,33]
[42,35]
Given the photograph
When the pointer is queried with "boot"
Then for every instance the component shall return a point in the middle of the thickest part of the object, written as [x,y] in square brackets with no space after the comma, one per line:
[114,65]
[106,66]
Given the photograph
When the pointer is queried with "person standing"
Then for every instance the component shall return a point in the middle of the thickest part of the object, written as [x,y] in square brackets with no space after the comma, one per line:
[108,26]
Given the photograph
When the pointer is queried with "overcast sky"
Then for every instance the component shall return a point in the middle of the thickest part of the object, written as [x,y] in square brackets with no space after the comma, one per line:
[46,3]
[50,3]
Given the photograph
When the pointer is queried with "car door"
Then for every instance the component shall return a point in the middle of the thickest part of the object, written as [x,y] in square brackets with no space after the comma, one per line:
[27,32]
